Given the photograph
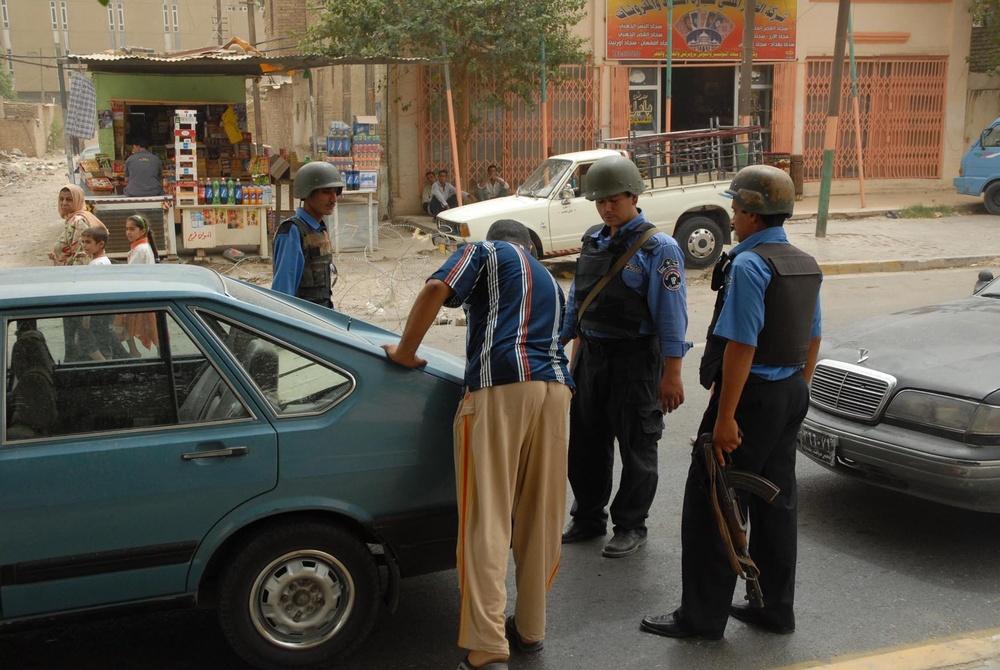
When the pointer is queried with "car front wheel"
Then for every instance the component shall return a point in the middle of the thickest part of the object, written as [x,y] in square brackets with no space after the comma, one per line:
[299,596]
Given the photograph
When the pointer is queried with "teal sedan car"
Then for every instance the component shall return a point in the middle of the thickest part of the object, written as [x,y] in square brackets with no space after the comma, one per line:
[175,437]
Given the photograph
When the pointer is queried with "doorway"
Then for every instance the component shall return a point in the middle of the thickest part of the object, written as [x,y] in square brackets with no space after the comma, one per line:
[701,94]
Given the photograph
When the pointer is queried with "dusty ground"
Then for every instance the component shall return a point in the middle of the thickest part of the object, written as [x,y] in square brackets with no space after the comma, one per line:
[377,286]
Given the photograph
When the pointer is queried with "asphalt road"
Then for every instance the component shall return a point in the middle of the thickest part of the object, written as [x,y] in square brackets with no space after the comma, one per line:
[876,568]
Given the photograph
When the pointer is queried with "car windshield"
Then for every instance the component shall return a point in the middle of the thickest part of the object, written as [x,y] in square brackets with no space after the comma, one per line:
[992,290]
[545,178]
[251,295]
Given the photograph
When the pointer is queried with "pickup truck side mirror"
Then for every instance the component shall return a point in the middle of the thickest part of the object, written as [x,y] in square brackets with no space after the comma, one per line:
[984,278]
[567,194]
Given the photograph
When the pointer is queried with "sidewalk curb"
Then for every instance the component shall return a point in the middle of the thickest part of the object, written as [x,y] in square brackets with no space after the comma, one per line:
[860,267]
[950,652]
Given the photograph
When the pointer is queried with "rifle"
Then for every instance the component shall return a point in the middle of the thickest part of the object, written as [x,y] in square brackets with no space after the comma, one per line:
[722,482]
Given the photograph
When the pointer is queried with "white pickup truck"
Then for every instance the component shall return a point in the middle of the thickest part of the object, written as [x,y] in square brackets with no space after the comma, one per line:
[551,204]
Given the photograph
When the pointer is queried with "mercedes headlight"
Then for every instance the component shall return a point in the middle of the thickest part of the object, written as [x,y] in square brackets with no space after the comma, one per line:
[967,420]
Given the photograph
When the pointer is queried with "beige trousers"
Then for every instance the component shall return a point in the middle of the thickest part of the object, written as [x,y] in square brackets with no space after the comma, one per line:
[510,471]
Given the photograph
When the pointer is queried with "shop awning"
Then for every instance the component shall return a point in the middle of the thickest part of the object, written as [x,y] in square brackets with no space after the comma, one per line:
[233,58]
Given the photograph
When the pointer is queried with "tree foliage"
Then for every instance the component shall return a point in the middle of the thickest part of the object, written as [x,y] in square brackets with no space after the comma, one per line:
[7,91]
[987,13]
[493,47]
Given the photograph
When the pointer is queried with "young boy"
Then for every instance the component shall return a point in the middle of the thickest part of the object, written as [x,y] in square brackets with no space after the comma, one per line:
[95,340]
[94,240]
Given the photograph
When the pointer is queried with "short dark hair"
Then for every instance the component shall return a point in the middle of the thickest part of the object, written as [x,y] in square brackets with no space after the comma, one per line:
[773,220]
[96,233]
[509,230]
[442,171]
[429,172]
[493,167]
[140,142]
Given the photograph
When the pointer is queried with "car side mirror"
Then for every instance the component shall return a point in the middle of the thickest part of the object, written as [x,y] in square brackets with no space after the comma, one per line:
[985,277]
[567,194]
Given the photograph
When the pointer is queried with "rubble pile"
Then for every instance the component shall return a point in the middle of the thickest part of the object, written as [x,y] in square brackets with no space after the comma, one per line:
[16,168]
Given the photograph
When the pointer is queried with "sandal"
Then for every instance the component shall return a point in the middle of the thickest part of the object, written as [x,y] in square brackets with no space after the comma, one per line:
[528,647]
[496,665]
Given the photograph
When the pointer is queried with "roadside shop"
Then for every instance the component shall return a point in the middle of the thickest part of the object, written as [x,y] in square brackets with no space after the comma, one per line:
[220,182]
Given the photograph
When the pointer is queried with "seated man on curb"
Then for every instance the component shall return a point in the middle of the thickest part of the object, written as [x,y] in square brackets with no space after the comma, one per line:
[493,187]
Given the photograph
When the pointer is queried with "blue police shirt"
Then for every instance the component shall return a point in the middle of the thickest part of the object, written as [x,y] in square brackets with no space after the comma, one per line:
[288,259]
[658,274]
[742,316]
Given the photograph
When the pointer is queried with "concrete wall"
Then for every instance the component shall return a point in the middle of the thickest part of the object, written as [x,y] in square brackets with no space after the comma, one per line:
[30,33]
[26,126]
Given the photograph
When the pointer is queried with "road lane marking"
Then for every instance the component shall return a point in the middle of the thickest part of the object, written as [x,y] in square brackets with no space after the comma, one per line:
[934,655]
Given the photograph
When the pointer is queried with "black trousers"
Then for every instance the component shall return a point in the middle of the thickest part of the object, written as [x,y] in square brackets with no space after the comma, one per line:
[617,397]
[769,414]
[436,207]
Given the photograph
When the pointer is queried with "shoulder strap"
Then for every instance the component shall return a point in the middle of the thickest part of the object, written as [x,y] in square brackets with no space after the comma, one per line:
[615,269]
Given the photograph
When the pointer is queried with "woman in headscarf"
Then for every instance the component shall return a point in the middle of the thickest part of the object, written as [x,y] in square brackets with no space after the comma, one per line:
[68,247]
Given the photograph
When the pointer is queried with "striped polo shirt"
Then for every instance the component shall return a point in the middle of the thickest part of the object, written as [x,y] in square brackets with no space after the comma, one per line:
[514,308]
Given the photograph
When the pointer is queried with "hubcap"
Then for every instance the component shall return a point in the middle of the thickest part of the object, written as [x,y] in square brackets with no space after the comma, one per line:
[301,599]
[701,243]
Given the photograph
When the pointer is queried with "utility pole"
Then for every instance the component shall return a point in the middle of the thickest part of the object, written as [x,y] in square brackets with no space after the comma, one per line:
[62,99]
[746,63]
[832,114]
[258,124]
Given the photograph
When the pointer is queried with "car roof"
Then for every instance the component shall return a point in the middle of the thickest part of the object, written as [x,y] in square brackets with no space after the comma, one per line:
[21,287]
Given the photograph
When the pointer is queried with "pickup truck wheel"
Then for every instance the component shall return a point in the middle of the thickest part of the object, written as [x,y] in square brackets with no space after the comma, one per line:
[991,198]
[701,241]
[299,596]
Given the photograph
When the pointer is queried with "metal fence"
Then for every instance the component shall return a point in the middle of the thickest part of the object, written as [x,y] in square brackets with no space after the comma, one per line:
[510,139]
[902,106]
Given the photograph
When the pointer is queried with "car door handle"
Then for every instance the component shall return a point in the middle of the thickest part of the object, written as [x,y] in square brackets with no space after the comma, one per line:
[216,453]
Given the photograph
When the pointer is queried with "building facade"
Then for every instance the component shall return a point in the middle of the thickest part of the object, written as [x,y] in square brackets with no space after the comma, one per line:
[34,32]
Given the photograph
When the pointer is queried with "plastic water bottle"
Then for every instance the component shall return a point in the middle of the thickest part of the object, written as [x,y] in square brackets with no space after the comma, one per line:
[267,194]
[216,195]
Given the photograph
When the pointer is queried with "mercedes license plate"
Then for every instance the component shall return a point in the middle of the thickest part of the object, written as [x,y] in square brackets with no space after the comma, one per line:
[818,445]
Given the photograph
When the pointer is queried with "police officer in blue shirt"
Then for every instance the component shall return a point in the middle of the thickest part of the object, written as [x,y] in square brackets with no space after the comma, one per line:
[303,253]
[628,360]
[761,351]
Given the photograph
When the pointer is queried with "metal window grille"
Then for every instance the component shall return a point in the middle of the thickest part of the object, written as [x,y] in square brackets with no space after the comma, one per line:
[510,139]
[111,18]
[65,14]
[121,17]
[166,18]
[54,14]
[901,103]
[6,18]
[177,23]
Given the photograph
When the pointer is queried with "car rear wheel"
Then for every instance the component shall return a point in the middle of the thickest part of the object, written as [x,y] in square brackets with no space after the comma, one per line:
[299,596]
[991,198]
[701,240]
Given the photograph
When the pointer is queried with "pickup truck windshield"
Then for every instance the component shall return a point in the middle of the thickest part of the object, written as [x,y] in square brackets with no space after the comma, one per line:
[548,175]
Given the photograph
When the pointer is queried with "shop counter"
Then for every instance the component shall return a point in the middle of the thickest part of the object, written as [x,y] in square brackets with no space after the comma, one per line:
[355,222]
[112,210]
[219,226]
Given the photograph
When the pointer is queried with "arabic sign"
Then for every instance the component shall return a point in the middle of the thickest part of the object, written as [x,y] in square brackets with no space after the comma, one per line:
[703,30]
[643,109]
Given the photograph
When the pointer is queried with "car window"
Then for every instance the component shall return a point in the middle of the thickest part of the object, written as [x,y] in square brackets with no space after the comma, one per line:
[291,382]
[992,138]
[97,372]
